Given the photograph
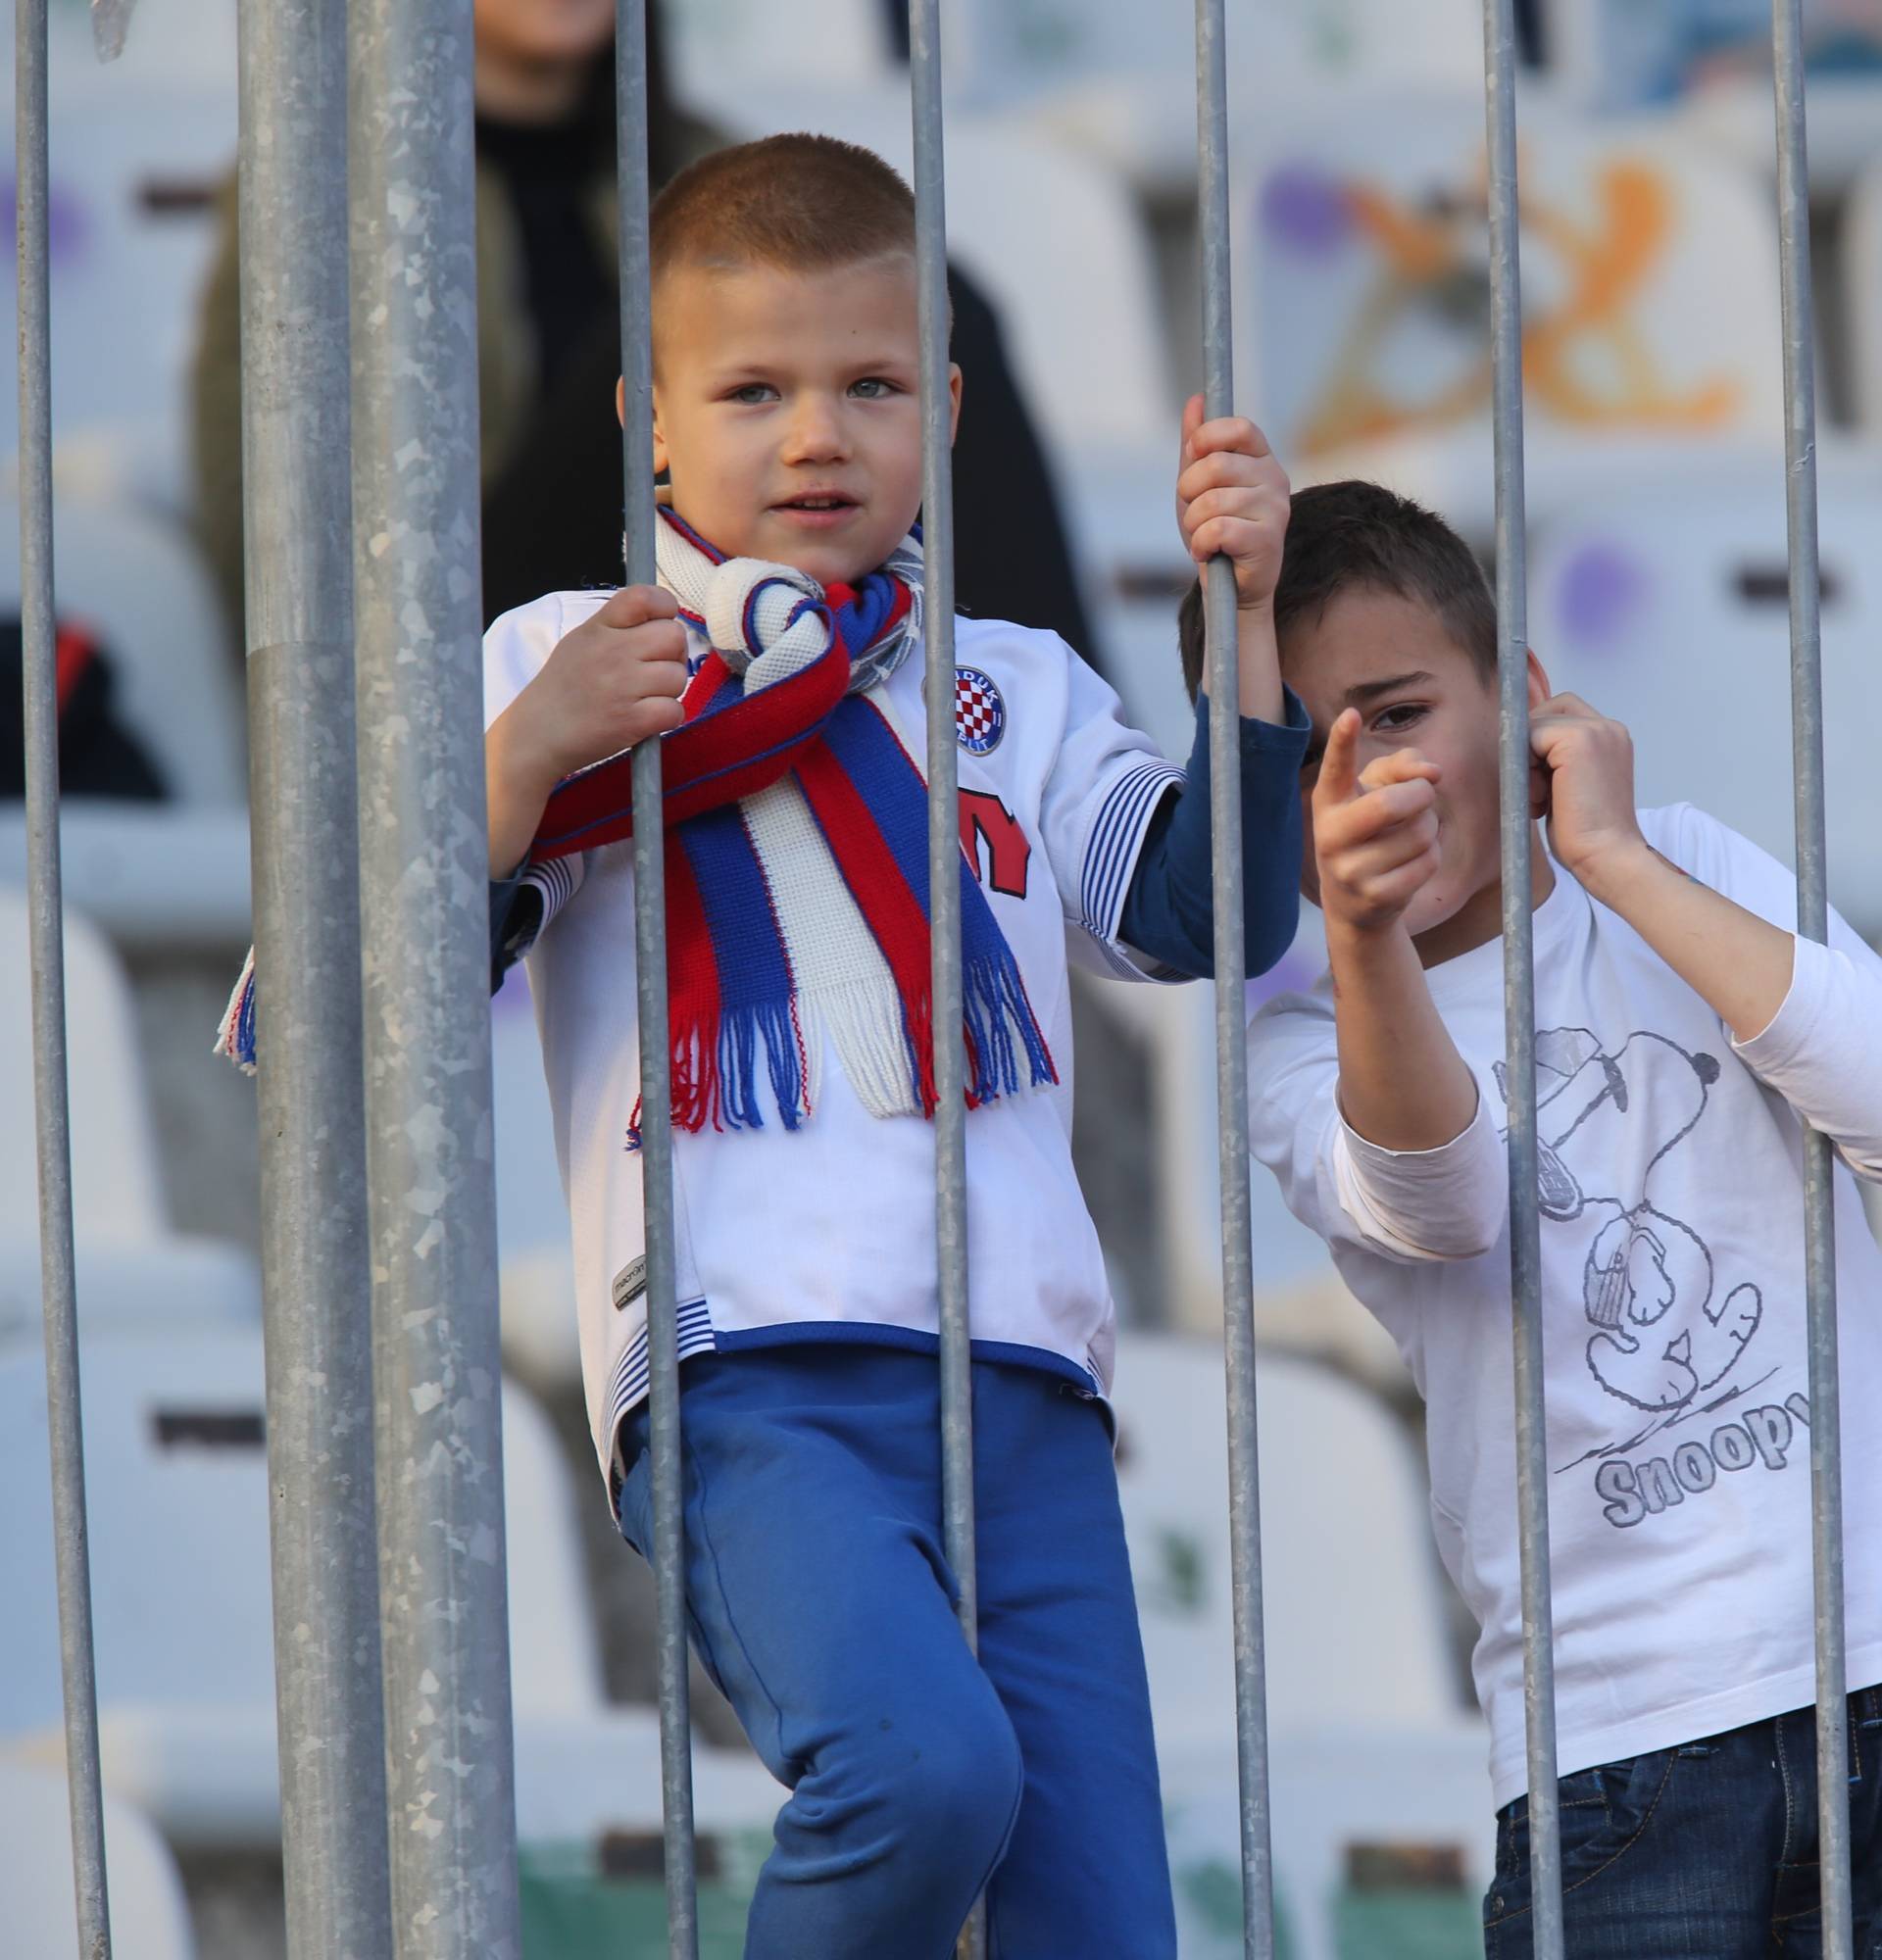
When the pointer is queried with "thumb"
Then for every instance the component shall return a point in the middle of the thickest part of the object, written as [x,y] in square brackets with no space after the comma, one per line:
[1338,779]
[1192,422]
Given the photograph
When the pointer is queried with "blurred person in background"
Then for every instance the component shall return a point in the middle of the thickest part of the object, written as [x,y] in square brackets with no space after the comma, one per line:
[549,345]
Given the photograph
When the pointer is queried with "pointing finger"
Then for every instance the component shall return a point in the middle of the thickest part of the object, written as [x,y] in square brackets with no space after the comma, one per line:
[1338,779]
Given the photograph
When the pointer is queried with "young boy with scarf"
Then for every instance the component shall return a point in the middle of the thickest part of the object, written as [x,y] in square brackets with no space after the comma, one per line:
[780,660]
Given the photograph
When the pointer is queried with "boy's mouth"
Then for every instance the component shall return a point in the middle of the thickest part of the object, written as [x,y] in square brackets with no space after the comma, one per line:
[816,509]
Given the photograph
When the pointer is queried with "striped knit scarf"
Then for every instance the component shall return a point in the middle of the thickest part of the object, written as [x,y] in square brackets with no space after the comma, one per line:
[796,853]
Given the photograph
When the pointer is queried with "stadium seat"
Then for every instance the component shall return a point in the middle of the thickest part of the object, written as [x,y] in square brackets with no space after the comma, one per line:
[1650,284]
[177,1480]
[1118,79]
[134,167]
[117,1195]
[1370,1740]
[149,1915]
[132,1268]
[137,582]
[723,49]
[1861,241]
[1664,602]
[1355,1609]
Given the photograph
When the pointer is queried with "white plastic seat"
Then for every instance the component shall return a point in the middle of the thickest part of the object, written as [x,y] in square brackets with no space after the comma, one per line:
[117,1195]
[134,173]
[1118,78]
[132,1268]
[1352,1591]
[1663,603]
[1649,288]
[149,1915]
[1370,1737]
[137,582]
[178,1481]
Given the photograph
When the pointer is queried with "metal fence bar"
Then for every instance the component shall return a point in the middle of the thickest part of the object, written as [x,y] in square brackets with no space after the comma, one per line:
[1518,976]
[1231,1020]
[305,839]
[424,873]
[655,1065]
[1813,922]
[45,907]
[944,837]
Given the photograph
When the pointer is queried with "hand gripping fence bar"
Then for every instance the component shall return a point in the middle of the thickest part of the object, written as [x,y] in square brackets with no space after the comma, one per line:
[650,968]
[304,821]
[1231,1021]
[1813,922]
[423,852]
[1518,976]
[944,837]
[46,914]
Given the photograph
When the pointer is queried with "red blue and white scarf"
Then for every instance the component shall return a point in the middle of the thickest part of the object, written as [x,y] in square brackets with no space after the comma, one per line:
[796,857]
[797,854]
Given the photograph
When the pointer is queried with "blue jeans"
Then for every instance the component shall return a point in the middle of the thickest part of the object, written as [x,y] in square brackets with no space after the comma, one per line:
[1703,1852]
[821,1601]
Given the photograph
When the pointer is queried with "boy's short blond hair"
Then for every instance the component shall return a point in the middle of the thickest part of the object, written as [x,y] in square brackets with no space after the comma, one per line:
[798,202]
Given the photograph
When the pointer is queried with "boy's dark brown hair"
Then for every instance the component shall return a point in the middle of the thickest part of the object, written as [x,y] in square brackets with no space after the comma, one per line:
[798,203]
[1356,536]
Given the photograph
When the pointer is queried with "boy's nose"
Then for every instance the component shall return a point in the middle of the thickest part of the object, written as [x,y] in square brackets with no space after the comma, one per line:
[815,433]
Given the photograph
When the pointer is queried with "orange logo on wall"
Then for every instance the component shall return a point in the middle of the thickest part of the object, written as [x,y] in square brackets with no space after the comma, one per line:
[1431,253]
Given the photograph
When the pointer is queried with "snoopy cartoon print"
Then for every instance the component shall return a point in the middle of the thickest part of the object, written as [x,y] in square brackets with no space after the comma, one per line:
[1664,1330]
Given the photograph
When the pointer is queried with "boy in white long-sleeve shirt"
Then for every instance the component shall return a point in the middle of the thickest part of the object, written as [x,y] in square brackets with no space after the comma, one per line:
[1684,1036]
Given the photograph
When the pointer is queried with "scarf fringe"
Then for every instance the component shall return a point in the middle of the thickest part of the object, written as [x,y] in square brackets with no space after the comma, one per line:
[994,1005]
[236,1031]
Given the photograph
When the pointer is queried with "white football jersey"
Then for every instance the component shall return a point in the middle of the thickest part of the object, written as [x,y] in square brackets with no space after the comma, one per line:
[827,1232]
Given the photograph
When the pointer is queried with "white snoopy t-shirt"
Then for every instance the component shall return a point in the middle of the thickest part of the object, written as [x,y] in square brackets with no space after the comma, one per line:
[1676,1383]
[826,1231]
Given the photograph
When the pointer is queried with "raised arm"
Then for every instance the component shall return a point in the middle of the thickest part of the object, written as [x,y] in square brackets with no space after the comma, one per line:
[1801,1017]
[1403,1084]
[612,681]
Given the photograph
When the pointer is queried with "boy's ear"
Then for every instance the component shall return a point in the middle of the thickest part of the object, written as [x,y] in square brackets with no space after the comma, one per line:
[660,441]
[954,398]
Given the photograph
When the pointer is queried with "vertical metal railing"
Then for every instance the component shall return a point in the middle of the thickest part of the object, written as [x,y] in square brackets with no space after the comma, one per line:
[1518,976]
[423,872]
[944,838]
[1231,1019]
[650,964]
[1813,922]
[45,904]
[297,556]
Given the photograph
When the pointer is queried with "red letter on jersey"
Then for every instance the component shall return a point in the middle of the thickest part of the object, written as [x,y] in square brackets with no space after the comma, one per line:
[1009,850]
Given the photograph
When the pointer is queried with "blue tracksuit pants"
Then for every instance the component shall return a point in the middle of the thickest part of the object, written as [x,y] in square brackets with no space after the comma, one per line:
[821,1603]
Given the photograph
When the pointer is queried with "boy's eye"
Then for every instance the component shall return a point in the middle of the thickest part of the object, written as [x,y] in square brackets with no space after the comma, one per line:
[873,388]
[752,393]
[1397,720]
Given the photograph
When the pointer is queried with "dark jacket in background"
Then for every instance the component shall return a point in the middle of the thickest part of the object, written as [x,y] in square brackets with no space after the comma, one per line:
[548,354]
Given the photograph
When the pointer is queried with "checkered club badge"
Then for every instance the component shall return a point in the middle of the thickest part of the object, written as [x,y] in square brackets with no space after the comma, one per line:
[979,712]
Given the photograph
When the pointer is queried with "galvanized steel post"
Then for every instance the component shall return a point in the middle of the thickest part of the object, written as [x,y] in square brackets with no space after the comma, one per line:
[45,907]
[1231,1019]
[650,966]
[1813,922]
[423,875]
[303,790]
[944,836]
[1518,975]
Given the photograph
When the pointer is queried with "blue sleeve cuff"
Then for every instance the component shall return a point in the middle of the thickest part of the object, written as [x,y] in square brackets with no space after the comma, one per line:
[1168,912]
